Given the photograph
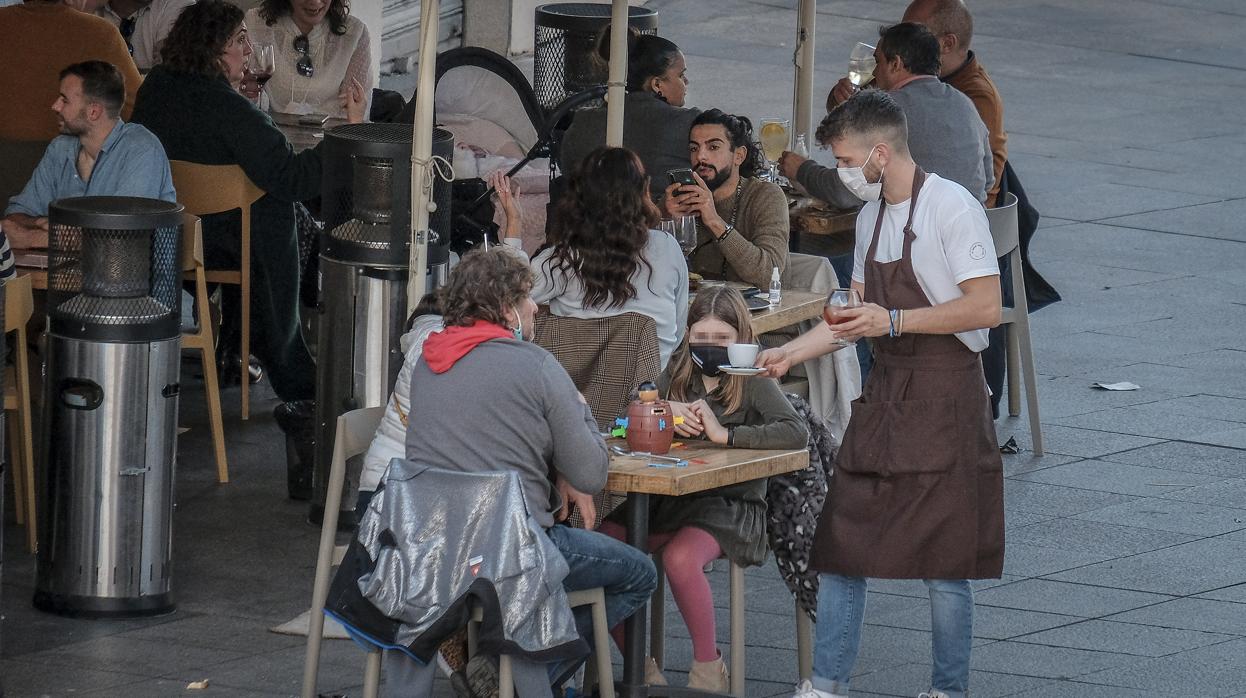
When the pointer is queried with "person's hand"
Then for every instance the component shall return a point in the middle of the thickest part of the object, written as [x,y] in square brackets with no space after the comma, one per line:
[714,430]
[41,223]
[868,320]
[354,101]
[671,205]
[691,426]
[776,361]
[699,200]
[843,90]
[505,191]
[249,87]
[26,236]
[570,496]
[789,164]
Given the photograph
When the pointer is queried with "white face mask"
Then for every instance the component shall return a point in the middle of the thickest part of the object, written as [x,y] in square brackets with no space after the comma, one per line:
[855,181]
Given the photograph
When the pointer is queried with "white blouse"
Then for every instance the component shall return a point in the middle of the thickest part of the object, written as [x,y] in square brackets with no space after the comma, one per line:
[335,60]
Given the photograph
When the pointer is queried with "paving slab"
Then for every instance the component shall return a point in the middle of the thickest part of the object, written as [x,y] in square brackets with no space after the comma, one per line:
[1226,493]
[1045,662]
[1189,568]
[1214,220]
[1191,518]
[1064,598]
[1082,690]
[1089,443]
[1056,500]
[1216,670]
[1094,537]
[1192,614]
[1126,638]
[1108,476]
[1026,560]
[1235,593]
[33,678]
[1151,420]
[1186,458]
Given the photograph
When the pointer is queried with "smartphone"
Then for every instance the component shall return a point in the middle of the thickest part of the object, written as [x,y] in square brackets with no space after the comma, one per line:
[682,177]
[313,119]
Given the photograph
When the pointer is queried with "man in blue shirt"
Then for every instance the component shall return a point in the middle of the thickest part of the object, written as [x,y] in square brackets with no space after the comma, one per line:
[97,154]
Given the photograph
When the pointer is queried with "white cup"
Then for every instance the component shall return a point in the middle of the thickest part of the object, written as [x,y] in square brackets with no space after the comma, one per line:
[743,355]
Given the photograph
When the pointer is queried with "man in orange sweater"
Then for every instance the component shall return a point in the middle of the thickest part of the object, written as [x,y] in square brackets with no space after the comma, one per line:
[952,25]
[40,38]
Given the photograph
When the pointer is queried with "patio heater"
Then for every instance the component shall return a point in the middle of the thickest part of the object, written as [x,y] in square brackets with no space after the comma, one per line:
[566,60]
[110,407]
[366,204]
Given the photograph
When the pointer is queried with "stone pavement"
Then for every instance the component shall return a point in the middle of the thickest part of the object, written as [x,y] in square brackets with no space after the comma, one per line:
[1126,564]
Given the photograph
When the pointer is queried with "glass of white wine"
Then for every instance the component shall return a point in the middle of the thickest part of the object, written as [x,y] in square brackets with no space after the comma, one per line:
[774,140]
[861,65]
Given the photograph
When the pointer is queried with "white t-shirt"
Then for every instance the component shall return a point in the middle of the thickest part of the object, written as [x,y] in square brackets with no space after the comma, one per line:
[661,290]
[953,243]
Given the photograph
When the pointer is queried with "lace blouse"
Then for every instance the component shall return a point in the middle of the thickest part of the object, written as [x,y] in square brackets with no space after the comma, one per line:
[335,60]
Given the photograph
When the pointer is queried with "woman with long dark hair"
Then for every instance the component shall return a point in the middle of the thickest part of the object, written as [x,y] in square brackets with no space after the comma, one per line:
[655,116]
[321,53]
[603,257]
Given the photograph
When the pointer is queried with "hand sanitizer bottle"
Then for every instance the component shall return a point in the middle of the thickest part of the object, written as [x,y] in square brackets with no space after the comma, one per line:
[776,288]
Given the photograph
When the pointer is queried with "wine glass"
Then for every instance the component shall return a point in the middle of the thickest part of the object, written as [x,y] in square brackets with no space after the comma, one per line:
[774,140]
[262,62]
[861,65]
[667,225]
[686,233]
[837,300]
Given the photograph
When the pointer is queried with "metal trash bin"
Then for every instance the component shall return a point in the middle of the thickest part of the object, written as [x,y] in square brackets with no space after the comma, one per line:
[110,407]
[366,204]
[566,46]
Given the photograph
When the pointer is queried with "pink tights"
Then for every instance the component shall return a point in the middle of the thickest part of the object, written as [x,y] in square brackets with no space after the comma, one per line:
[684,556]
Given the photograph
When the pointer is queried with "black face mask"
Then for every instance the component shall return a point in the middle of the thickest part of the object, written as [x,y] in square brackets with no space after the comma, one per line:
[708,357]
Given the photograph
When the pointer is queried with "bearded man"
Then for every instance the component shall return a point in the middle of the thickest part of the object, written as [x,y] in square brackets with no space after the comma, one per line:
[742,234]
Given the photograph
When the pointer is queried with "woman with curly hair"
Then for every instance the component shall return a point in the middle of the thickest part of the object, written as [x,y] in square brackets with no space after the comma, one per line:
[190,101]
[321,51]
[602,255]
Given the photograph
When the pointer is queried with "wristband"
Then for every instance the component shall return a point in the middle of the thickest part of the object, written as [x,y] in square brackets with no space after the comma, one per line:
[891,314]
[726,232]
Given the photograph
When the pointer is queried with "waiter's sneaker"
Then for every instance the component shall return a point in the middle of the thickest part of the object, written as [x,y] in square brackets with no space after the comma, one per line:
[805,689]
[932,694]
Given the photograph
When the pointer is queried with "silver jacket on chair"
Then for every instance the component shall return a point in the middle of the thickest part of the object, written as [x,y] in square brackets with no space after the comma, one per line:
[439,542]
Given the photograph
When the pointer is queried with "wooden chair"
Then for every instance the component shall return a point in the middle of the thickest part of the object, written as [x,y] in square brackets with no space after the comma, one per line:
[208,189]
[1003,222]
[18,307]
[202,338]
[607,358]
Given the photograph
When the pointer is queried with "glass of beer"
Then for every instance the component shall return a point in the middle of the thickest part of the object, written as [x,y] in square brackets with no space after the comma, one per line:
[861,65]
[837,301]
[774,140]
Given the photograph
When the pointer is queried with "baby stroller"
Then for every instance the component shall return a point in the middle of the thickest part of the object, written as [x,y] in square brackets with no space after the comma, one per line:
[498,124]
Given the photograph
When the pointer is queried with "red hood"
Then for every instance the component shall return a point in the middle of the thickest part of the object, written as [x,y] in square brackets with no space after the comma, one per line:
[443,349]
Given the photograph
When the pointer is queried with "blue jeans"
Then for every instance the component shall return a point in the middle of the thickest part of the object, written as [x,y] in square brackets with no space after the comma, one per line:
[597,560]
[841,611]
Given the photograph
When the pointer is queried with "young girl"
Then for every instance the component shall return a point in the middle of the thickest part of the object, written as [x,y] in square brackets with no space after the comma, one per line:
[690,531]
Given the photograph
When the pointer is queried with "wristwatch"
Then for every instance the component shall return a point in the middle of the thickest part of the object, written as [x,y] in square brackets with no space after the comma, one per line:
[726,232]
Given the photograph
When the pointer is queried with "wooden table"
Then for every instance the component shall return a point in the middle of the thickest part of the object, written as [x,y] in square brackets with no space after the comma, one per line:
[834,229]
[709,466]
[796,306]
[38,275]
[302,137]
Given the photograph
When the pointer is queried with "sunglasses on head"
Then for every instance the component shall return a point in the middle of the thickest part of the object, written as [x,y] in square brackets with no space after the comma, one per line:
[303,65]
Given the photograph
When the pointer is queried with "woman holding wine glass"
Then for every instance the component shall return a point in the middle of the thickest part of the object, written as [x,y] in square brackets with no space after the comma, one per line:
[323,56]
[603,255]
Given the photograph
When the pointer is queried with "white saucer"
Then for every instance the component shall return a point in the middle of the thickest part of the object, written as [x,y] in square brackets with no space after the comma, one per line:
[741,370]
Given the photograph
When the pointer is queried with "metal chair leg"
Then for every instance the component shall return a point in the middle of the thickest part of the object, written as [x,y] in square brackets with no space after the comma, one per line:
[804,644]
[737,630]
[372,674]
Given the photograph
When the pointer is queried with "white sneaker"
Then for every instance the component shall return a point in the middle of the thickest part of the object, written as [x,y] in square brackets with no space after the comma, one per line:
[805,689]
[932,694]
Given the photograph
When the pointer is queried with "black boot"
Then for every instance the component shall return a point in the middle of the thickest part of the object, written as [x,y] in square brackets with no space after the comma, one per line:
[298,420]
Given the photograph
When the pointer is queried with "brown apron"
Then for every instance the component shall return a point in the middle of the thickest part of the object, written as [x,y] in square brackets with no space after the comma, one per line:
[918,484]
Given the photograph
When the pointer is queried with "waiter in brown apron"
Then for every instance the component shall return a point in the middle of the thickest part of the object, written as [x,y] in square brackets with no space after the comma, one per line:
[918,485]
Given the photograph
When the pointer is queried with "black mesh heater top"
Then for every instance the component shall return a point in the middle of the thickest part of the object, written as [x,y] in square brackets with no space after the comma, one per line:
[566,60]
[366,195]
[114,268]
